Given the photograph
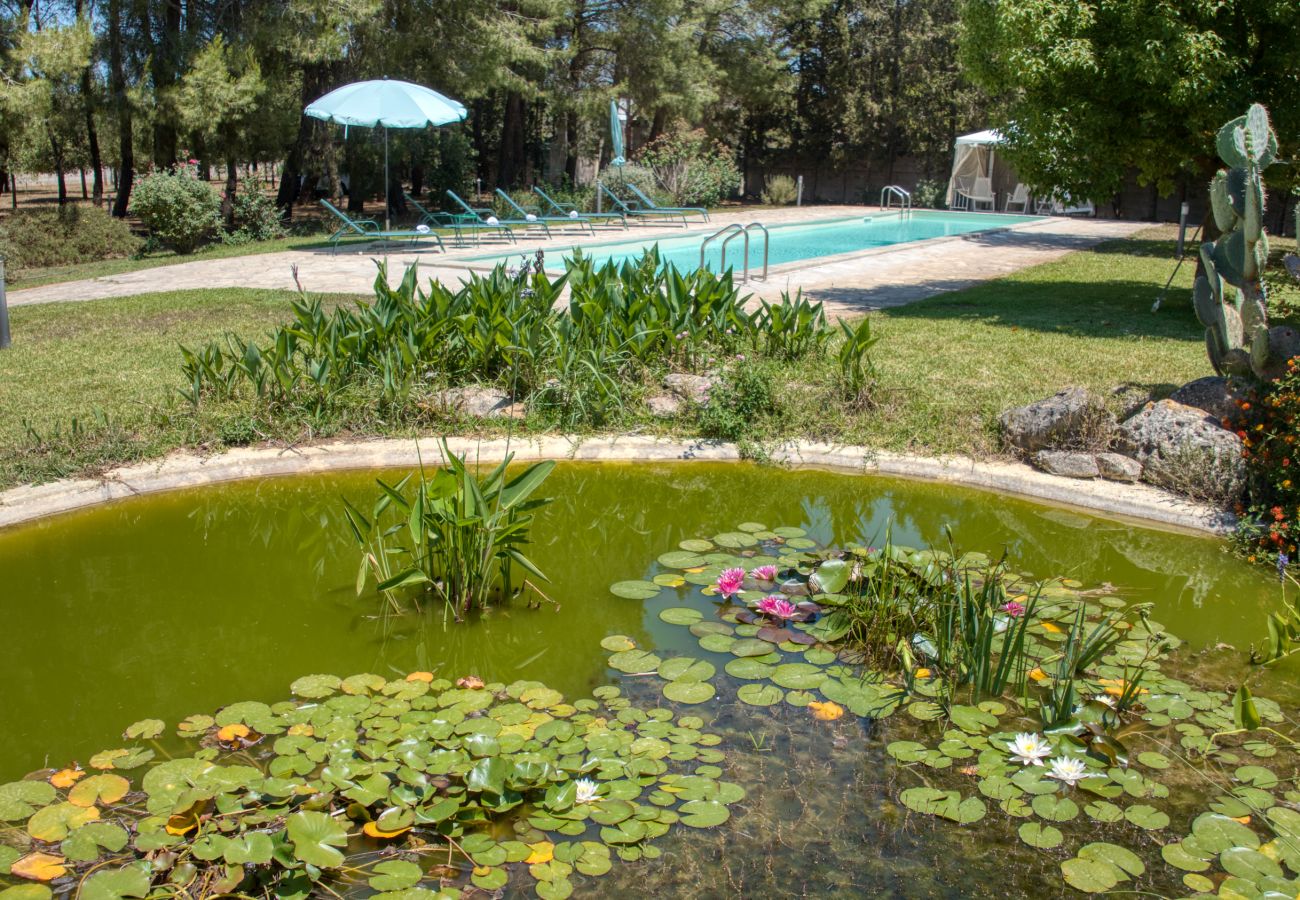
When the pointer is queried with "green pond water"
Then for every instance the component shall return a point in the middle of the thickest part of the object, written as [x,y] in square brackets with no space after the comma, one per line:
[180,603]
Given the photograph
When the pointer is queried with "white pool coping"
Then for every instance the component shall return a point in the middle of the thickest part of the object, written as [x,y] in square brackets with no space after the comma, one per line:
[1138,504]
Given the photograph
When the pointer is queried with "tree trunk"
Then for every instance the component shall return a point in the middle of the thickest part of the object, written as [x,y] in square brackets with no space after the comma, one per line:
[85,189]
[314,77]
[56,150]
[510,159]
[117,82]
[92,134]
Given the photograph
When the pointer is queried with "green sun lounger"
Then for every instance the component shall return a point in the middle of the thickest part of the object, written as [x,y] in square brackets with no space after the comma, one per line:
[647,203]
[566,209]
[482,215]
[534,214]
[458,223]
[637,212]
[369,228]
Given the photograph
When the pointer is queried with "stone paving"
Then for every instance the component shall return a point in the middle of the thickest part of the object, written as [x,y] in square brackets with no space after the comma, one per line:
[850,284]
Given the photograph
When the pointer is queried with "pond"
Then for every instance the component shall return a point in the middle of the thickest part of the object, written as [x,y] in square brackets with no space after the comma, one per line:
[180,603]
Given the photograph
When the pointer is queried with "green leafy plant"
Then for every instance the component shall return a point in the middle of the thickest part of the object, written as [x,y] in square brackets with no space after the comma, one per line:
[738,404]
[456,536]
[180,211]
[256,217]
[693,168]
[857,372]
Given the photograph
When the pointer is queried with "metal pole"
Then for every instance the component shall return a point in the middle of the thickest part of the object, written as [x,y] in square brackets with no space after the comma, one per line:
[1182,228]
[798,199]
[4,309]
[386,187]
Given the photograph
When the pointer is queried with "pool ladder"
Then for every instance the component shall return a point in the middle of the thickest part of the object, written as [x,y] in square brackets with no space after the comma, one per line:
[891,191]
[742,231]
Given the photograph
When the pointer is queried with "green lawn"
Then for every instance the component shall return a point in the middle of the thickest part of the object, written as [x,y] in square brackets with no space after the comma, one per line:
[948,365]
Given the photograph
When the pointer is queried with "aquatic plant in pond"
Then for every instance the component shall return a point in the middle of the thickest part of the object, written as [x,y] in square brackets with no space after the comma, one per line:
[1154,783]
[363,782]
[455,536]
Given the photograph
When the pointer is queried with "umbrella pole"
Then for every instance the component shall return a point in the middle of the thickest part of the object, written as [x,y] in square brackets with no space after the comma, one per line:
[386,204]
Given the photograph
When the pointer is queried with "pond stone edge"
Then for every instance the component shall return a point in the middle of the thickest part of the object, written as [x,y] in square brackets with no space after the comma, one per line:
[1147,505]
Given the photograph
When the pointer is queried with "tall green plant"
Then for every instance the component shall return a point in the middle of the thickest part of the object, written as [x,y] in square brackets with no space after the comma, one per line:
[455,536]
[1229,295]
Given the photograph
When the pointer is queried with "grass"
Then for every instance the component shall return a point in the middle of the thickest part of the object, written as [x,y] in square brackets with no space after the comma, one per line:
[947,366]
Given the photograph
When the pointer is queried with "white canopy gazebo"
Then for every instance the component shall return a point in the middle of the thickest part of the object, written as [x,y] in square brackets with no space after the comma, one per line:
[973,157]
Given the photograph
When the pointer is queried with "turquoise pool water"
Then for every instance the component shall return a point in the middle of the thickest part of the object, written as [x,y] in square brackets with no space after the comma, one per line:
[790,243]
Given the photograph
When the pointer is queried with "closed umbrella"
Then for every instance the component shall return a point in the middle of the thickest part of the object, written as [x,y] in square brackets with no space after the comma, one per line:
[616,135]
[389,104]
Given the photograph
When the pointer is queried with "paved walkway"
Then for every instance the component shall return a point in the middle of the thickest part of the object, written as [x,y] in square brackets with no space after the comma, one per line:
[889,276]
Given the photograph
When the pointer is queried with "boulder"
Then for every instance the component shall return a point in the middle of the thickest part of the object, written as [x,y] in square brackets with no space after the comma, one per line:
[1047,423]
[478,402]
[1211,394]
[1183,448]
[1067,463]
[664,406]
[691,388]
[1114,467]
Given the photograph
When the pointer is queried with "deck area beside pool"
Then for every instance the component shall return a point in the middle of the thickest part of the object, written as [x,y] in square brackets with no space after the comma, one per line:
[848,283]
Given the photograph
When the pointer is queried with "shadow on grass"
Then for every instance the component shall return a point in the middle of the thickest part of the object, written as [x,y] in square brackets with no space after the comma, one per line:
[1106,309]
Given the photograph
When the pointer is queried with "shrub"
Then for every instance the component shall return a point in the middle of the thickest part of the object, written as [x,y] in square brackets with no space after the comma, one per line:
[617,178]
[36,238]
[693,168]
[738,403]
[781,190]
[180,210]
[931,194]
[257,218]
[1269,429]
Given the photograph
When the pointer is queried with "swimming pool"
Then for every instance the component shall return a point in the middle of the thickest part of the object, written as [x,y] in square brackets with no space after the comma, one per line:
[790,243]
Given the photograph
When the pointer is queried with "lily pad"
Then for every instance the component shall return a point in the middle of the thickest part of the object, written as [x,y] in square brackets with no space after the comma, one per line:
[316,838]
[759,694]
[681,615]
[395,875]
[685,669]
[704,813]
[688,691]
[617,643]
[635,590]
[316,686]
[1043,837]
[1090,875]
[635,661]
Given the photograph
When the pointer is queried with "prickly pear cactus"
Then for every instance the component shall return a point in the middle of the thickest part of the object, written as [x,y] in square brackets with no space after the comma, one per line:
[1229,297]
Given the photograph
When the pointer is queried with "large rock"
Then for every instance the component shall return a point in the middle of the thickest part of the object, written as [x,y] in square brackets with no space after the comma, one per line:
[1183,448]
[1114,467]
[691,388]
[1067,463]
[664,406]
[1047,423]
[478,402]
[1211,394]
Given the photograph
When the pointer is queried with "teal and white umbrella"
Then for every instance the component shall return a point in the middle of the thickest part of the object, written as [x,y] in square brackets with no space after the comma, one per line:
[387,104]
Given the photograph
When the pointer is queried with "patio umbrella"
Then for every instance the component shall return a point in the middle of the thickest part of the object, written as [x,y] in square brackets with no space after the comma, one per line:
[616,135]
[388,104]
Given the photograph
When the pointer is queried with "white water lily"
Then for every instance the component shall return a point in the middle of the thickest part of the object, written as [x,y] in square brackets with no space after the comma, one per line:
[586,790]
[1106,699]
[1030,749]
[1069,769]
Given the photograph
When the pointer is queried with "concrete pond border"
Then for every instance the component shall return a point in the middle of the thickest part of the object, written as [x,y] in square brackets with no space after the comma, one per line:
[1136,503]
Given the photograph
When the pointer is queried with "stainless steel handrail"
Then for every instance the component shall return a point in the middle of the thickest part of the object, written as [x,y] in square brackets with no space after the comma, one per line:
[891,191]
[740,232]
[767,246]
[734,226]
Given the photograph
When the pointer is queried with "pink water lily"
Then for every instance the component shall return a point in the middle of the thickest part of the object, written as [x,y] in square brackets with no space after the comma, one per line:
[730,581]
[1014,608]
[764,573]
[778,607]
